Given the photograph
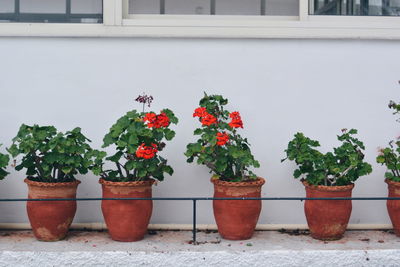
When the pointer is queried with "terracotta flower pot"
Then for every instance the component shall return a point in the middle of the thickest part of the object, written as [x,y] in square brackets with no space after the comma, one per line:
[327,219]
[237,219]
[393,206]
[50,220]
[127,220]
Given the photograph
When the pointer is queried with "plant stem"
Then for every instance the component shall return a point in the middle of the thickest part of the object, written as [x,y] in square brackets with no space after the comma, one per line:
[119,169]
[211,166]
[126,170]
[37,163]
[54,172]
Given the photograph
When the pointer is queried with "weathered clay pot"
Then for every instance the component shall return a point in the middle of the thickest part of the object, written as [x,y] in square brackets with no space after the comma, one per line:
[127,220]
[327,219]
[50,220]
[393,206]
[237,219]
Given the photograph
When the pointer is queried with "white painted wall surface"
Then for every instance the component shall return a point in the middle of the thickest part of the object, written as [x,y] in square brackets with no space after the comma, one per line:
[279,86]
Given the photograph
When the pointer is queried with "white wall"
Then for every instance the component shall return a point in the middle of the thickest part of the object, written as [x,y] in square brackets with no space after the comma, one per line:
[279,86]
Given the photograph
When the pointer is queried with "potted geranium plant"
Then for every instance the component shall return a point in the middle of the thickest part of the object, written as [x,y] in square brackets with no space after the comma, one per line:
[390,157]
[329,175]
[229,158]
[4,159]
[52,160]
[138,138]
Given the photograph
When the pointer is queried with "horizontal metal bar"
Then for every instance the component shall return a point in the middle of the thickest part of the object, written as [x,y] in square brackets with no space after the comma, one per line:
[198,198]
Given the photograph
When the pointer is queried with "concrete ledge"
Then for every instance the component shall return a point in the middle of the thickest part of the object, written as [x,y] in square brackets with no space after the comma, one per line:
[189,227]
[173,248]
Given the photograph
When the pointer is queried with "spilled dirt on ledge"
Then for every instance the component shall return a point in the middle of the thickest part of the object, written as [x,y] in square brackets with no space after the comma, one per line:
[295,232]
[175,241]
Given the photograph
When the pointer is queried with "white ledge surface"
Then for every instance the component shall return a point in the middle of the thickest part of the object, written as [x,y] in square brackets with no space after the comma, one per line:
[173,248]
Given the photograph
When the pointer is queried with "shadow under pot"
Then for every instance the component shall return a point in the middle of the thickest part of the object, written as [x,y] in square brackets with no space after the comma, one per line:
[393,206]
[237,219]
[50,220]
[327,219]
[127,220]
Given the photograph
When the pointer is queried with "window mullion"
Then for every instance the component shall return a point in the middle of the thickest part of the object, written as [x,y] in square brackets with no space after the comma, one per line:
[263,7]
[212,7]
[17,7]
[112,12]
[303,9]
[162,7]
[68,10]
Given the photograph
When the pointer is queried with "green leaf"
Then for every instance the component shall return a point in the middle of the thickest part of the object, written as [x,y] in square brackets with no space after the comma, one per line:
[169,134]
[116,157]
[67,169]
[142,173]
[198,131]
[133,139]
[130,165]
[168,170]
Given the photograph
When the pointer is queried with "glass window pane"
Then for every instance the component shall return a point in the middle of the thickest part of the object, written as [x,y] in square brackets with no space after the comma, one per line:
[222,7]
[144,6]
[52,11]
[355,7]
[86,6]
[7,6]
[238,7]
[282,7]
[192,7]
[43,6]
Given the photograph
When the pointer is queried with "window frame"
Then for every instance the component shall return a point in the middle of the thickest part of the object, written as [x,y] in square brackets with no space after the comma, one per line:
[118,23]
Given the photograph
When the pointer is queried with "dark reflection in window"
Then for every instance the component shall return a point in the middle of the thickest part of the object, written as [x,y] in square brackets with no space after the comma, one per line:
[52,11]
[355,7]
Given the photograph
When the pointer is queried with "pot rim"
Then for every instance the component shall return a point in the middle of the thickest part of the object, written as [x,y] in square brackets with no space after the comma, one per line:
[45,184]
[125,184]
[392,183]
[336,188]
[259,182]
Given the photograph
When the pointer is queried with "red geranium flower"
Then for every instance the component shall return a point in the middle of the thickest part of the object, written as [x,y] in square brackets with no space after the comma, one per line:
[200,112]
[236,120]
[222,138]
[208,119]
[162,120]
[156,121]
[146,152]
[150,118]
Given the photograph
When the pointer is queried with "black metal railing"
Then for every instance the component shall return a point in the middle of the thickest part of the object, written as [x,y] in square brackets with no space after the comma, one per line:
[196,199]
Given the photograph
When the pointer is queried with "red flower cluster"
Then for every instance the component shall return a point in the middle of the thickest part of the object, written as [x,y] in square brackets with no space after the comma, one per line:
[206,118]
[156,121]
[236,120]
[222,138]
[200,112]
[146,152]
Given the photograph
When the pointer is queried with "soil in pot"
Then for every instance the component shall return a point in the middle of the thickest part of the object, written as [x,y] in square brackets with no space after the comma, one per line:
[127,220]
[237,219]
[393,206]
[50,220]
[327,219]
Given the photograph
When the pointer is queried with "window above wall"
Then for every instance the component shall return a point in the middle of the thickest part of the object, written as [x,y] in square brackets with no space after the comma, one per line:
[51,11]
[367,19]
[215,7]
[355,7]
